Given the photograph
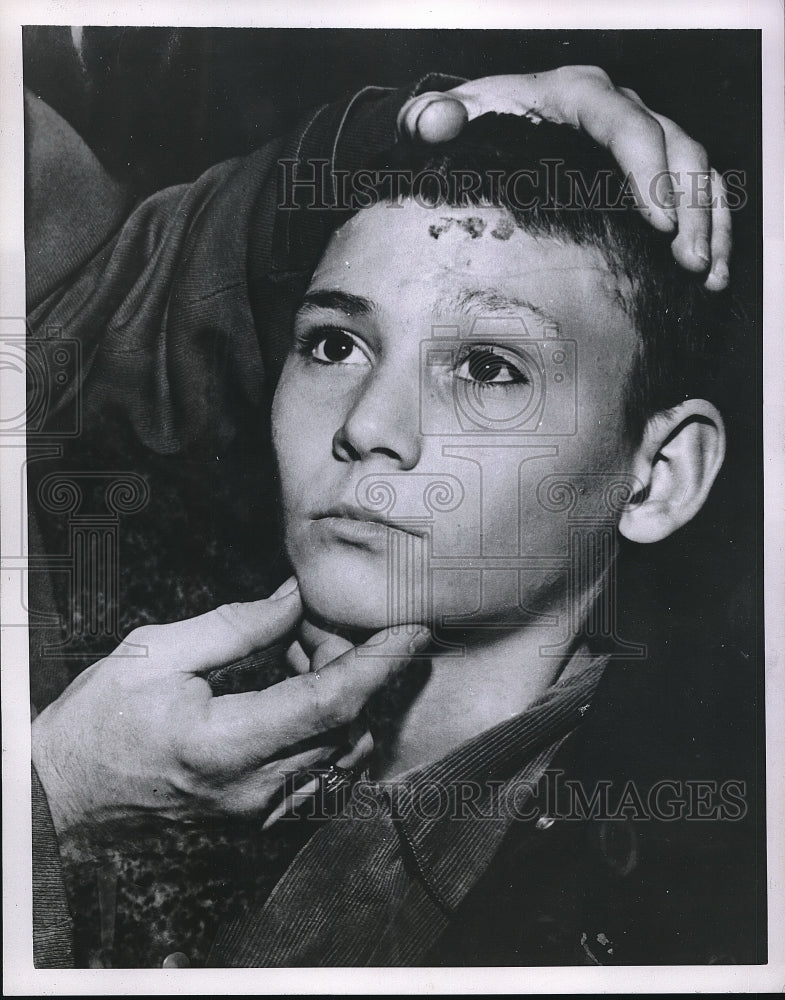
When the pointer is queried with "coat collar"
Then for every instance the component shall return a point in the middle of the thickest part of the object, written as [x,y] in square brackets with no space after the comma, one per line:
[453,814]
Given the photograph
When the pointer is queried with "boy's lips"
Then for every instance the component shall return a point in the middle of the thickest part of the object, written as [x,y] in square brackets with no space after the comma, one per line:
[356,523]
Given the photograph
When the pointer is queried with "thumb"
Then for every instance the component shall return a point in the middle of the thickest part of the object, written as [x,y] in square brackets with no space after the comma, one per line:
[432,117]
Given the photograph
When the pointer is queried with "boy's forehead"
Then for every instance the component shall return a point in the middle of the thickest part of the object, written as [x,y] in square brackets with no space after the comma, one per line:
[471,261]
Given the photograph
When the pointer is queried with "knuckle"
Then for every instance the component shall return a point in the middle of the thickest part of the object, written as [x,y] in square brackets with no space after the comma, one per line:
[144,635]
[594,74]
[325,710]
[649,129]
[640,130]
[229,613]
[232,616]
[197,761]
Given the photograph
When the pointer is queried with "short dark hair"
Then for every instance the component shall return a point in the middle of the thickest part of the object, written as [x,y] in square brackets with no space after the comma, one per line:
[575,191]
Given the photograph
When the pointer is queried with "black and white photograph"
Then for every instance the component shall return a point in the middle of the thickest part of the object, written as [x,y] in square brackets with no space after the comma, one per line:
[386,471]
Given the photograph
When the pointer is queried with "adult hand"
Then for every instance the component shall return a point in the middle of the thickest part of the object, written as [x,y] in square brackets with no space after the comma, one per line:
[679,192]
[137,736]
[314,650]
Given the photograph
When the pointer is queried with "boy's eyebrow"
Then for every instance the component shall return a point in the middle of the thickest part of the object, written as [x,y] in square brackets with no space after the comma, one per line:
[352,305]
[469,300]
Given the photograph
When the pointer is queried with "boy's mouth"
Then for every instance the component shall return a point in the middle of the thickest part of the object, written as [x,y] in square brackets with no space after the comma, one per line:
[355,524]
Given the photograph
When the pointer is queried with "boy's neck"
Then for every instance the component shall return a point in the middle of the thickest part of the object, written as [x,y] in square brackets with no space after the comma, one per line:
[499,675]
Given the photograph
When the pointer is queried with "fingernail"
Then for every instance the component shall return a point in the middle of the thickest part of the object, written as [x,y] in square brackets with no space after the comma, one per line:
[421,112]
[409,115]
[718,277]
[701,250]
[288,587]
[446,124]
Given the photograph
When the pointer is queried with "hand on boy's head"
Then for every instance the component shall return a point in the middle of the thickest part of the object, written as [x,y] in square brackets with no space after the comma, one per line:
[140,733]
[658,155]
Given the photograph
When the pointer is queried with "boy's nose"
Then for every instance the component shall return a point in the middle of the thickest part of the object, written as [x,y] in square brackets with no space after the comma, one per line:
[383,420]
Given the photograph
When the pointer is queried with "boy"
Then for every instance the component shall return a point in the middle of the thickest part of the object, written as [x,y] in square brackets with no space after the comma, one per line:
[483,389]
[543,602]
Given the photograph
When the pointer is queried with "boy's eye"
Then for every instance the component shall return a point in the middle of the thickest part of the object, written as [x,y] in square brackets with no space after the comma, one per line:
[332,347]
[488,366]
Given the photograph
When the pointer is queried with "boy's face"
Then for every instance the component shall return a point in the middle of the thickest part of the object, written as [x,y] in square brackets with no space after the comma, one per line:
[445,363]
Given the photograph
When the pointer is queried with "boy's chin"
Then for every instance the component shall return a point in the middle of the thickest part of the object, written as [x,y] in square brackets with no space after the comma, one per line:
[345,607]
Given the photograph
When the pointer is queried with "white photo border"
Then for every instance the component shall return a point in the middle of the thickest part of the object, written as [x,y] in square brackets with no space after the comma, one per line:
[20,978]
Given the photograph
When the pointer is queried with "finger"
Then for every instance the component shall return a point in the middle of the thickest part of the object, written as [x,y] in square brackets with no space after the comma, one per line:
[359,753]
[291,801]
[221,636]
[317,757]
[312,635]
[297,659]
[585,97]
[721,237]
[331,649]
[512,94]
[649,148]
[661,186]
[353,759]
[432,117]
[286,786]
[637,141]
[688,164]
[720,226]
[254,726]
[287,587]
[322,646]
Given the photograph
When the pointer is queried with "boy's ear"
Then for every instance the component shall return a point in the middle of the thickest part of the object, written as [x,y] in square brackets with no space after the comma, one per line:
[676,462]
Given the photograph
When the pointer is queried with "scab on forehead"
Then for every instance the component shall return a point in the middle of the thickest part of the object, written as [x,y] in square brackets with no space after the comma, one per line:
[474,226]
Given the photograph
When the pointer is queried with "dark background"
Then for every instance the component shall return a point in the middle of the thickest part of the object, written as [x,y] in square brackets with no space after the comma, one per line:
[160,105]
